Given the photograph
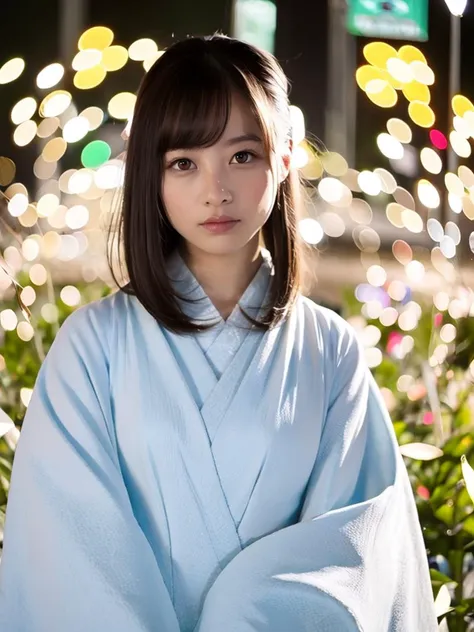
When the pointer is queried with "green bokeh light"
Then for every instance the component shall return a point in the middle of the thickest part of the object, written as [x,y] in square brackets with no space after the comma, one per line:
[95,154]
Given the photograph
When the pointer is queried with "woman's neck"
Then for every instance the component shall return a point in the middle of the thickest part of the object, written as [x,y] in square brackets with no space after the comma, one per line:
[224,278]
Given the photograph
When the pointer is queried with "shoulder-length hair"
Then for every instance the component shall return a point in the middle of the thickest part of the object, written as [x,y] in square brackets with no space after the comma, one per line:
[184,102]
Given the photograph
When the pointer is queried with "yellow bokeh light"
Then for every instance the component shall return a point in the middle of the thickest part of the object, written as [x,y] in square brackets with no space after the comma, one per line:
[54,150]
[23,110]
[409,53]
[415,91]
[377,53]
[55,103]
[461,105]
[114,58]
[90,78]
[421,114]
[386,98]
[50,76]
[25,133]
[11,70]
[364,74]
[98,37]
[399,130]
[87,58]
[142,49]
[121,105]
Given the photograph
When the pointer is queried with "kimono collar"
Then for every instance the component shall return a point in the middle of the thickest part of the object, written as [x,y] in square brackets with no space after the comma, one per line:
[201,309]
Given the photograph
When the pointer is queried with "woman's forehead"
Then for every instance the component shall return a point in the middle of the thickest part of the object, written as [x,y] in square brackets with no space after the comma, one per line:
[241,119]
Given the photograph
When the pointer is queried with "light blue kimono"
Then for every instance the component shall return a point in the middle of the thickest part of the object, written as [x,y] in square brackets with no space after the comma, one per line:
[230,481]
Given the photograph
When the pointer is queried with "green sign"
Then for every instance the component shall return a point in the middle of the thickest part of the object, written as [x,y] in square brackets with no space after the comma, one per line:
[255,22]
[393,19]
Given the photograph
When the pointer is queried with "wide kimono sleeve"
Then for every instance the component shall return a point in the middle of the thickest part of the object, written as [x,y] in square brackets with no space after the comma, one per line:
[74,558]
[356,559]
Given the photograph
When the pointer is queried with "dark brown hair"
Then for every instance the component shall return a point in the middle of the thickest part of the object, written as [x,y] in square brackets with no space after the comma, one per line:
[184,102]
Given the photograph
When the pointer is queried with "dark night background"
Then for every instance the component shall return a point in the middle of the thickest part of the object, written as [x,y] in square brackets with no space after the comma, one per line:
[30,30]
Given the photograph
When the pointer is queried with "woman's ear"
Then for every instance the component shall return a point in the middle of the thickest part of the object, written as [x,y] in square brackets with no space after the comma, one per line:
[285,161]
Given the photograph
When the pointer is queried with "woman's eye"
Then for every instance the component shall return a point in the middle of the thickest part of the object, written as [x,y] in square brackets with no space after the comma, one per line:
[242,157]
[182,164]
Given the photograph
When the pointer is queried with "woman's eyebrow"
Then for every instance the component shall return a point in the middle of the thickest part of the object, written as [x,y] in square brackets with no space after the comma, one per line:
[244,137]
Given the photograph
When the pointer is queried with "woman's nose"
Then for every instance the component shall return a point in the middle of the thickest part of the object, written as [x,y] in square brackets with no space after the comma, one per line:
[217,193]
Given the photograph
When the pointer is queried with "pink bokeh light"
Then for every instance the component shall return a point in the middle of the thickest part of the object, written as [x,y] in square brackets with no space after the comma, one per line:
[438,139]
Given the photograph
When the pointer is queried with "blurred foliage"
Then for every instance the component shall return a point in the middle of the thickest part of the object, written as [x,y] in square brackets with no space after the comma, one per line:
[22,363]
[445,508]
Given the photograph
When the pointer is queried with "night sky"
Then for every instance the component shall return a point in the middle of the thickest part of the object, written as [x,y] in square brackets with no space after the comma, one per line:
[30,30]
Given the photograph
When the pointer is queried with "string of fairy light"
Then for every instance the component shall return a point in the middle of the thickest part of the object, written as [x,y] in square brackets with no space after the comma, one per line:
[66,211]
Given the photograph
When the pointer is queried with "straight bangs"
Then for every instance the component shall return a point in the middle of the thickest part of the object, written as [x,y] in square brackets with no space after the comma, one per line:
[198,102]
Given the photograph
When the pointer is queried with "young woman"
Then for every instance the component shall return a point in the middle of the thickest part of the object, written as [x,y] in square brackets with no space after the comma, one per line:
[205,450]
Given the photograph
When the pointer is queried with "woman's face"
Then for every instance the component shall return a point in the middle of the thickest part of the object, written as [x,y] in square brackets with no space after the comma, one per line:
[233,179]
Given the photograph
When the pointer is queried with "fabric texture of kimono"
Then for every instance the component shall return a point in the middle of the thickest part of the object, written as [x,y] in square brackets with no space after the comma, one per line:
[231,481]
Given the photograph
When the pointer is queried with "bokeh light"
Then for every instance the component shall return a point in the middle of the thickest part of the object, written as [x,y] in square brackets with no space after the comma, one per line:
[50,76]
[98,37]
[438,139]
[11,70]
[121,105]
[23,110]
[114,58]
[421,114]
